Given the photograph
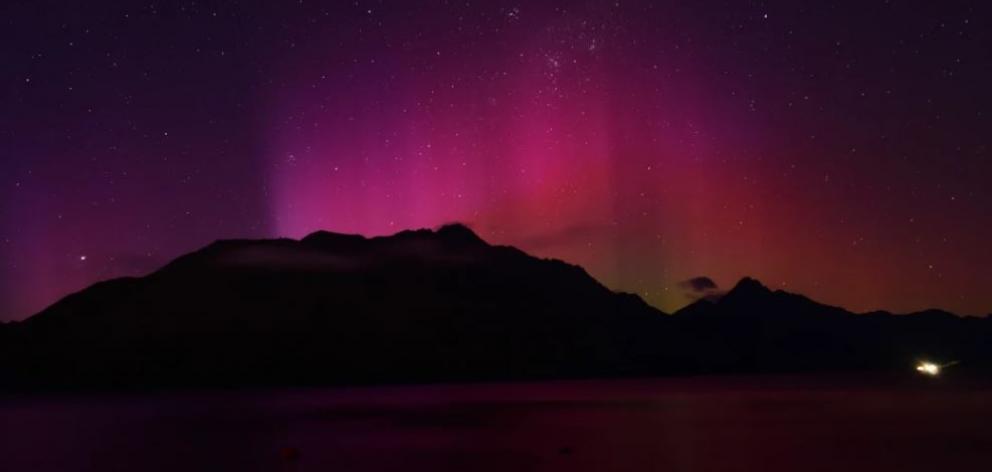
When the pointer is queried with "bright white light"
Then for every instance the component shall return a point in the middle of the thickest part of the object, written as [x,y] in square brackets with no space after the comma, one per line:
[928,368]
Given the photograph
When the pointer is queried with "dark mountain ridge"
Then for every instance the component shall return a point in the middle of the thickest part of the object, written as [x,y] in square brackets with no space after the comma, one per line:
[782,331]
[416,306]
[426,306]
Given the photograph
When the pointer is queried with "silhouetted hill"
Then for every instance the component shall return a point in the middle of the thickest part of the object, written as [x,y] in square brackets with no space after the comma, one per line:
[331,308]
[765,330]
[423,306]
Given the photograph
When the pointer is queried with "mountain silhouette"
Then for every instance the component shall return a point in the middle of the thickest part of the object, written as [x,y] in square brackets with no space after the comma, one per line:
[428,306]
[761,329]
[332,308]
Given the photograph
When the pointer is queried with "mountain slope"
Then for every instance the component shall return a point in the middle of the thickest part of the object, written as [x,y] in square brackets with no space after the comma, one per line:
[425,306]
[760,329]
[331,308]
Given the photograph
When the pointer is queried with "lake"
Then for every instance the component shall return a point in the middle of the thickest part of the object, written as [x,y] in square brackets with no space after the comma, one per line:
[718,423]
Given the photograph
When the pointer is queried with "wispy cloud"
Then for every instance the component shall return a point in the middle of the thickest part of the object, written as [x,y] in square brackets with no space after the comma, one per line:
[701,288]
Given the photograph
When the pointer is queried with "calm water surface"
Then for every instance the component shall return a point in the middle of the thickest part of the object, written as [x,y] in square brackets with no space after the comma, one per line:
[712,424]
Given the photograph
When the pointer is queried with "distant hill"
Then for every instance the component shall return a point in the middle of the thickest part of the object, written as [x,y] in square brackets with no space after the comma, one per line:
[427,306]
[766,330]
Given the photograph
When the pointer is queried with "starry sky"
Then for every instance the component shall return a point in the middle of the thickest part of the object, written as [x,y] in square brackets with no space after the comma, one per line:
[836,149]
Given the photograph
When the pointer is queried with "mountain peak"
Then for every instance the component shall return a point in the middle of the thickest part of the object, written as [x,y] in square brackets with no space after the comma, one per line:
[453,234]
[749,285]
[330,235]
[337,241]
[748,292]
[459,233]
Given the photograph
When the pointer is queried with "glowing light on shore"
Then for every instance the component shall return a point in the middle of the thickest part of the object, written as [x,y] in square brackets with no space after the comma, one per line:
[928,368]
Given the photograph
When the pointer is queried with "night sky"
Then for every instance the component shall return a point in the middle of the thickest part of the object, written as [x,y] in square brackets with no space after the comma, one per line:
[836,149]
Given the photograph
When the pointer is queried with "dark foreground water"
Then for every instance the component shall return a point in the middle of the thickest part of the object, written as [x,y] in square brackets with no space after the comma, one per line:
[757,423]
